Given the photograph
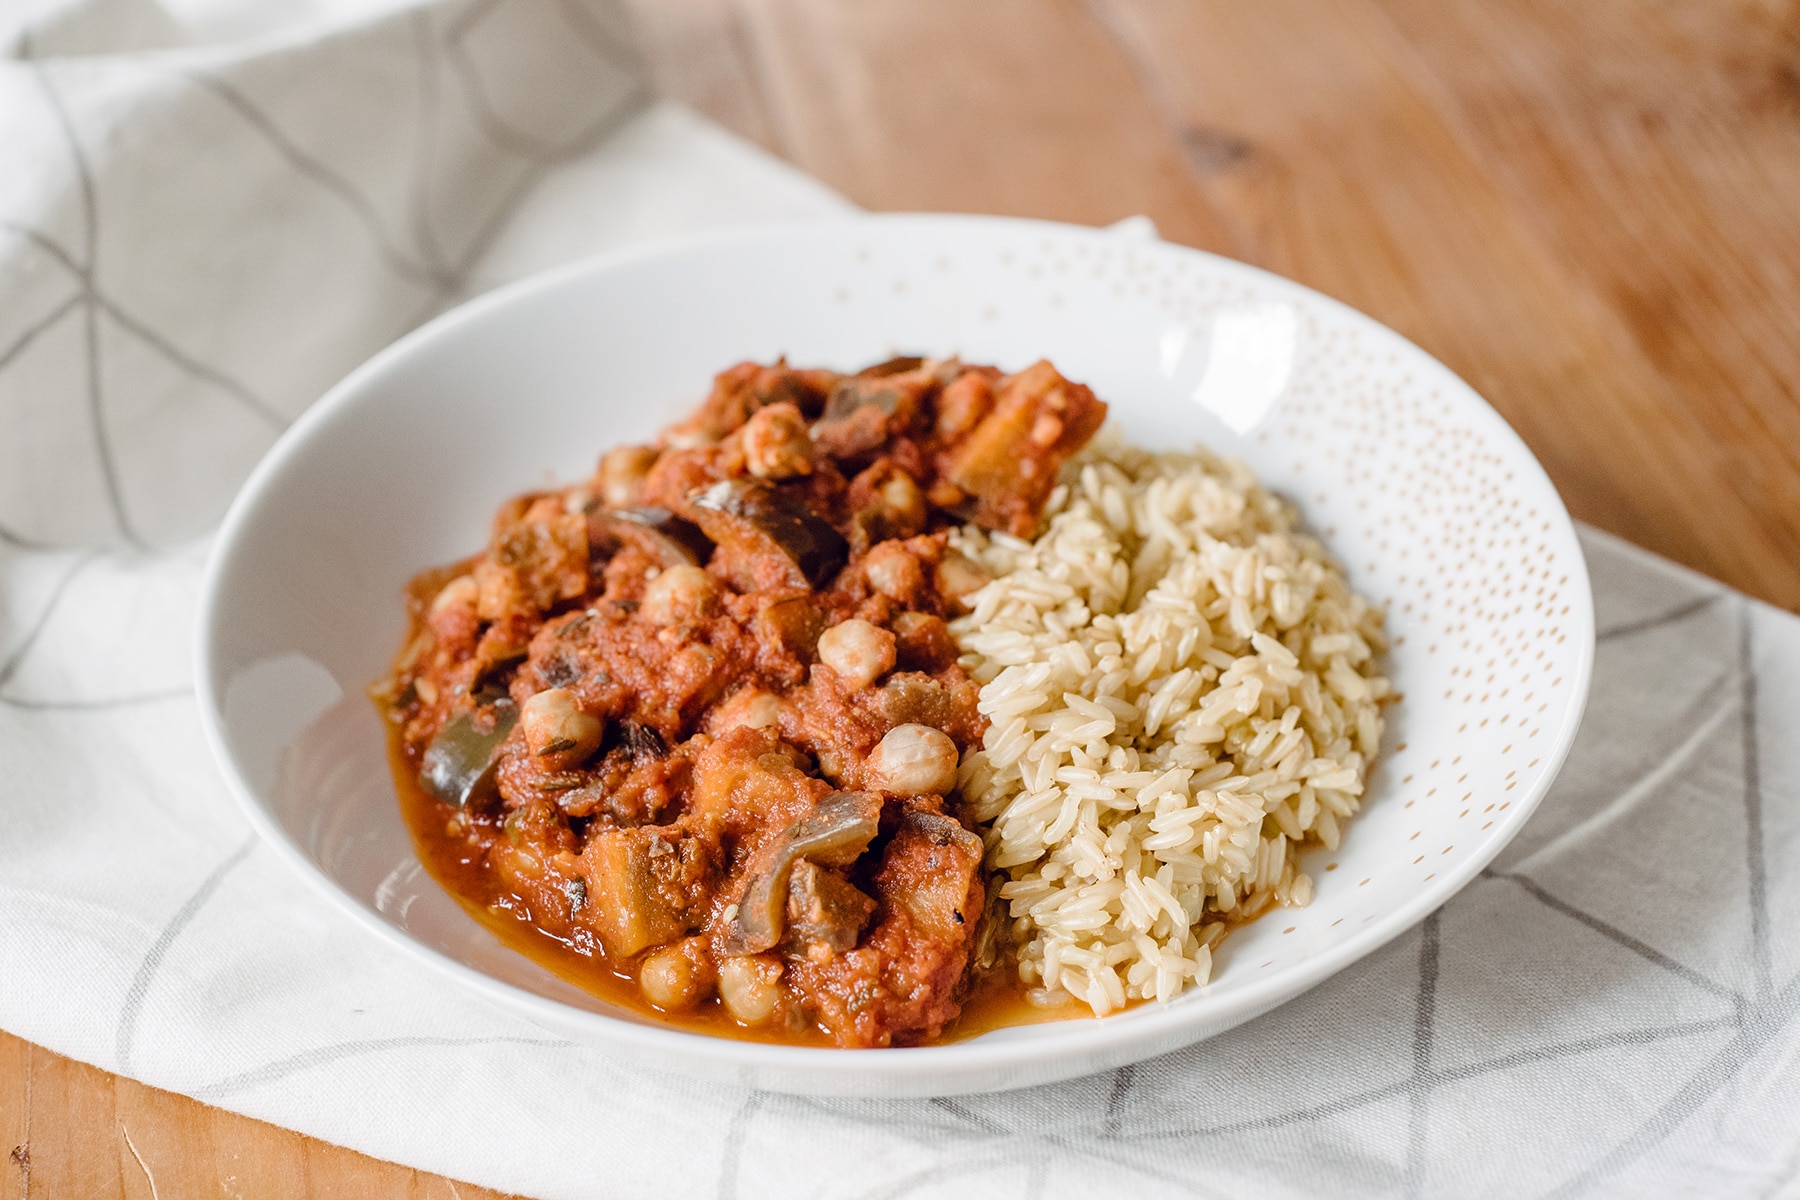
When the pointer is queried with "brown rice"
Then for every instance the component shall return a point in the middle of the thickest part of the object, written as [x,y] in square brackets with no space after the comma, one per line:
[1181,688]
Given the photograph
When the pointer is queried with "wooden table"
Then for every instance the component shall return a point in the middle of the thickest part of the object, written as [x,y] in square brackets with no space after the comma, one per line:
[1590,210]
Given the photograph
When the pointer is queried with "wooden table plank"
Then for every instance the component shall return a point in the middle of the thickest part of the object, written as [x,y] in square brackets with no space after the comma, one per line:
[1352,179]
[1666,171]
[1379,152]
[71,1132]
[1010,106]
[1587,209]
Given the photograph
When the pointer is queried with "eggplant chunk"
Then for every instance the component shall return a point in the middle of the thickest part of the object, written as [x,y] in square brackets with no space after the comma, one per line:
[825,913]
[659,533]
[753,517]
[834,834]
[459,765]
[643,887]
[838,830]
[796,623]
[944,862]
[1007,465]
[534,563]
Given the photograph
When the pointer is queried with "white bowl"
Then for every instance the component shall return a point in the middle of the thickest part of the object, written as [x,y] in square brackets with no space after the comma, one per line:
[1422,491]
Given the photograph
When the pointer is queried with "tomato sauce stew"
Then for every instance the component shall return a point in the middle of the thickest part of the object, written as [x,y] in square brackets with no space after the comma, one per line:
[687,732]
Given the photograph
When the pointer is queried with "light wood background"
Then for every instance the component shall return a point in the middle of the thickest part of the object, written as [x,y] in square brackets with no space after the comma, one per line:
[1589,209]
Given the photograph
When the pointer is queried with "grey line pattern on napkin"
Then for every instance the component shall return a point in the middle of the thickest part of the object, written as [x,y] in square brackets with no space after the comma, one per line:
[31,334]
[152,960]
[319,1056]
[98,704]
[1755,861]
[84,176]
[10,665]
[440,279]
[1649,624]
[1614,934]
[1419,1094]
[308,167]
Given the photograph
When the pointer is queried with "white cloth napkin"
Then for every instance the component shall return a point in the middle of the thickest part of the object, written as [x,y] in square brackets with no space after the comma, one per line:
[209,213]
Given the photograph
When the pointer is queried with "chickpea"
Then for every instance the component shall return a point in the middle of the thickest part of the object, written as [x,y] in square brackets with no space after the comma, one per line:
[750,987]
[946,495]
[914,760]
[923,642]
[776,443]
[680,595]
[964,402]
[959,576]
[904,499]
[622,474]
[556,728]
[893,572]
[751,708]
[677,976]
[461,592]
[858,651]
[496,589]
[1046,430]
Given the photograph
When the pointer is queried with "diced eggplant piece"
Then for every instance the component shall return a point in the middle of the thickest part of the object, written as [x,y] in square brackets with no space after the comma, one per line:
[533,564]
[964,402]
[838,830]
[856,436]
[861,391]
[945,862]
[762,520]
[883,387]
[825,913]
[559,669]
[1008,464]
[642,889]
[866,410]
[887,505]
[796,623]
[918,699]
[959,577]
[460,764]
[835,833]
[750,784]
[659,533]
[923,643]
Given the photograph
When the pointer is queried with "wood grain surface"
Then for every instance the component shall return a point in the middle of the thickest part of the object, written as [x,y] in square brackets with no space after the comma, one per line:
[70,1132]
[1589,210]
